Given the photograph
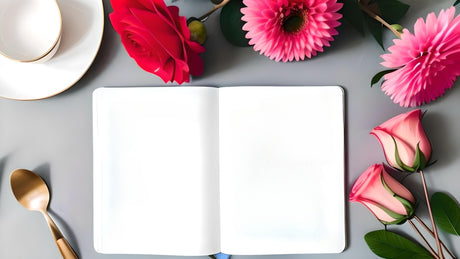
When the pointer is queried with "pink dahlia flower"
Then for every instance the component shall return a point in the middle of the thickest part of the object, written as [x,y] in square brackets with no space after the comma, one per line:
[290,29]
[427,61]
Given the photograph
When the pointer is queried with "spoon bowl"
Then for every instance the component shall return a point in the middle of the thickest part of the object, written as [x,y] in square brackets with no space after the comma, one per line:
[32,193]
[30,190]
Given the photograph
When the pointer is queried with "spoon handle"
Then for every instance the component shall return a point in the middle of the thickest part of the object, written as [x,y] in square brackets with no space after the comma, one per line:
[65,249]
[64,246]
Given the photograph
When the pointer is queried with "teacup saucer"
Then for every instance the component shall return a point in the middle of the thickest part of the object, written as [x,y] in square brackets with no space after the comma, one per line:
[83,24]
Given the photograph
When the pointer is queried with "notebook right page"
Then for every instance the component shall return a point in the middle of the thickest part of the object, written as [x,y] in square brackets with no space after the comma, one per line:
[282,170]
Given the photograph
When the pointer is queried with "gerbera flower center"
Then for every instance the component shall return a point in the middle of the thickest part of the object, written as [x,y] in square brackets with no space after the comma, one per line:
[295,21]
[287,30]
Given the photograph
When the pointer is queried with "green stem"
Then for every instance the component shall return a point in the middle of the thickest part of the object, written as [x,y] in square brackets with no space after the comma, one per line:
[216,7]
[378,18]
[435,230]
[432,234]
[432,252]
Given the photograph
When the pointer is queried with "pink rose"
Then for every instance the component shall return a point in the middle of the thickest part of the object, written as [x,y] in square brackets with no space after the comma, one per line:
[385,197]
[404,141]
[157,38]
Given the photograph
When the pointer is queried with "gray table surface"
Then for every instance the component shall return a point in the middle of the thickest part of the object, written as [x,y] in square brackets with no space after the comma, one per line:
[54,136]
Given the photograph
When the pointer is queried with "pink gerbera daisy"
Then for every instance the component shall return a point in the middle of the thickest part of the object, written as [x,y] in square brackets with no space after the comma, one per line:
[427,62]
[290,29]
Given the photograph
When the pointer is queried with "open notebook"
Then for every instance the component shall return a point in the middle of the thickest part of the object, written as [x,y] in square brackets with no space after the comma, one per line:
[202,170]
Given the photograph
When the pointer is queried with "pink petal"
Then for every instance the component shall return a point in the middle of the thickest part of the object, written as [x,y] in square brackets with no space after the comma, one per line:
[265,30]
[424,69]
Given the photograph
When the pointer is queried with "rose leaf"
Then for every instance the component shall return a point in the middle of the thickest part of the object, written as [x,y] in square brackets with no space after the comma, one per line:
[352,13]
[446,213]
[376,29]
[380,74]
[387,244]
[392,10]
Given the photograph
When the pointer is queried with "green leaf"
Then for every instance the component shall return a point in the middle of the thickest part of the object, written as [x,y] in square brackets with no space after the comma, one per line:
[376,29]
[446,213]
[380,74]
[457,2]
[392,10]
[387,244]
[232,25]
[352,13]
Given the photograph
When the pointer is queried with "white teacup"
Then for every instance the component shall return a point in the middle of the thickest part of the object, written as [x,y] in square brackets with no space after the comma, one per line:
[30,30]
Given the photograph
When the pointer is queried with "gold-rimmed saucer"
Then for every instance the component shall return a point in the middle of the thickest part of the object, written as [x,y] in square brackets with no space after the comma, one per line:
[82,26]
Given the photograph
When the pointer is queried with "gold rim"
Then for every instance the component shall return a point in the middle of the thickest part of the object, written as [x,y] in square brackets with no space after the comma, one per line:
[79,77]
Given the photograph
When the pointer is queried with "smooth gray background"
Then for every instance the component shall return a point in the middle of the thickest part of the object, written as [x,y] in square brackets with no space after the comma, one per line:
[54,136]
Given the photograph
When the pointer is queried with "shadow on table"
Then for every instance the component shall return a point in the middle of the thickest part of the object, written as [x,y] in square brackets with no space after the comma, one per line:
[45,172]
[66,231]
[2,169]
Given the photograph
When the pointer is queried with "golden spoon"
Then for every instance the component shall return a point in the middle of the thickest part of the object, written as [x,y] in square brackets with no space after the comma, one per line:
[31,191]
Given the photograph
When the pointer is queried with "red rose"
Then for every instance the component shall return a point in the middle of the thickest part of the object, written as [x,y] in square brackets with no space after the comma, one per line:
[157,38]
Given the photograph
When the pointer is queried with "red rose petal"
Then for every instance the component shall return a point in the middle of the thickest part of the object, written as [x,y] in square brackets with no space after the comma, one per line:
[196,64]
[164,34]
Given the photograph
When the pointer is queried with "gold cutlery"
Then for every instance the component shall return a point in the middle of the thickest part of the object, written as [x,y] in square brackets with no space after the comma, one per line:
[31,191]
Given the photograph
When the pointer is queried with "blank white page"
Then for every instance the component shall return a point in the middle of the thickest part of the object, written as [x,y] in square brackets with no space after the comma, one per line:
[282,170]
[156,170]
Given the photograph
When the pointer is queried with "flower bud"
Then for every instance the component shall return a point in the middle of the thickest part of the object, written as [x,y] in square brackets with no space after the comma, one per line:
[197,31]
[384,196]
[404,141]
[397,27]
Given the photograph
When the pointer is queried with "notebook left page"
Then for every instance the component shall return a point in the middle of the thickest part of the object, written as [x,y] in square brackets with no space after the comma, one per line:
[156,170]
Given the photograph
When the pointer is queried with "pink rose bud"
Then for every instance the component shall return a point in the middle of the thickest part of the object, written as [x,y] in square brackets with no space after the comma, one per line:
[383,195]
[404,141]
